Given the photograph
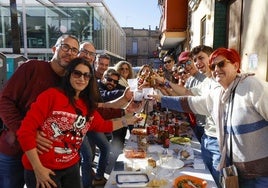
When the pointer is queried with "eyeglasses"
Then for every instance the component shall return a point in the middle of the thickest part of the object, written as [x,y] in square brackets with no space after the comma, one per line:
[112,80]
[122,68]
[66,48]
[88,53]
[78,74]
[185,64]
[179,72]
[168,61]
[220,64]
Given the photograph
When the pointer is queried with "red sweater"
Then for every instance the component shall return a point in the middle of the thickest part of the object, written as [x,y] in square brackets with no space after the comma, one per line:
[53,114]
[29,80]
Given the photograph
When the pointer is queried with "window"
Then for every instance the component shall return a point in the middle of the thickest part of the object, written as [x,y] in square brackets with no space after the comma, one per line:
[203,31]
[135,47]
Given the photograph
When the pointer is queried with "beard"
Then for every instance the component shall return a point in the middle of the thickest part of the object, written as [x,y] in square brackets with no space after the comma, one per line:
[109,87]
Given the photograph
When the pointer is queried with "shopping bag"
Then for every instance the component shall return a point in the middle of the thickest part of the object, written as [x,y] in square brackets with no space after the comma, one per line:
[229,177]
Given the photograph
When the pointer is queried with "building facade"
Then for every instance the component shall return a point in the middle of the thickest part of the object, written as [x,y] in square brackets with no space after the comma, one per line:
[142,46]
[41,22]
[239,24]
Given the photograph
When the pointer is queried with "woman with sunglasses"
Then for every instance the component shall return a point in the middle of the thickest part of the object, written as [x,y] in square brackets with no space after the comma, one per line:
[239,108]
[125,70]
[64,114]
[169,63]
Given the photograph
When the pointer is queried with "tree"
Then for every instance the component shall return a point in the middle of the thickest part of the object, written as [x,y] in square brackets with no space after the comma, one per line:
[15,27]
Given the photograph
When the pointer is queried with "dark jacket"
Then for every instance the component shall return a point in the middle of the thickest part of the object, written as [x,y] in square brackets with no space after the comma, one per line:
[109,95]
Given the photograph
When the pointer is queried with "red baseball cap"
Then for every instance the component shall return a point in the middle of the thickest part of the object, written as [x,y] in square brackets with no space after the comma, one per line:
[184,56]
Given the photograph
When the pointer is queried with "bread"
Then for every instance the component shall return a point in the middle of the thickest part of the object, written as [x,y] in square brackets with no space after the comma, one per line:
[139,131]
[185,154]
[135,153]
[151,162]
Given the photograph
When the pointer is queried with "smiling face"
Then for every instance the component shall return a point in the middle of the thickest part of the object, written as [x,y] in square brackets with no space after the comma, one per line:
[124,71]
[79,78]
[224,71]
[189,67]
[169,63]
[111,82]
[201,61]
[101,65]
[87,51]
[65,51]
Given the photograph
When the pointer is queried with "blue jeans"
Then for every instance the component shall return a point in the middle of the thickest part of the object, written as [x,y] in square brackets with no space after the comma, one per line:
[211,155]
[259,182]
[100,140]
[11,172]
[65,178]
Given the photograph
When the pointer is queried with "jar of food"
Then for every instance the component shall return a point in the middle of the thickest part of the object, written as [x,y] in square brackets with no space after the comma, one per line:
[165,139]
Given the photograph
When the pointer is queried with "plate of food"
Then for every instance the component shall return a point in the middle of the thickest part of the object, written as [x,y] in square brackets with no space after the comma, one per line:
[172,163]
[184,152]
[189,181]
[180,140]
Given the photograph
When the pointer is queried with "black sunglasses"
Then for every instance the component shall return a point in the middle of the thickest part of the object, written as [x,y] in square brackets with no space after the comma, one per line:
[220,64]
[112,80]
[185,64]
[78,74]
[168,61]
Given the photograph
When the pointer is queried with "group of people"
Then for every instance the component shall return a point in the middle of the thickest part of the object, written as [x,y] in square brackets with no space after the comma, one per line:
[55,113]
[232,107]
[50,110]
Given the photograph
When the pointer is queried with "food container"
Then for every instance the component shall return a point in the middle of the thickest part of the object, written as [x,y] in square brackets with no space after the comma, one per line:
[133,180]
[134,153]
[186,180]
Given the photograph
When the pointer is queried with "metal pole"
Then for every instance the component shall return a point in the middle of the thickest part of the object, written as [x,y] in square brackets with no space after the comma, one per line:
[24,29]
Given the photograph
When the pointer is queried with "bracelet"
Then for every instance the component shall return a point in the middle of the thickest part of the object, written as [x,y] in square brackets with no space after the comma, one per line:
[166,83]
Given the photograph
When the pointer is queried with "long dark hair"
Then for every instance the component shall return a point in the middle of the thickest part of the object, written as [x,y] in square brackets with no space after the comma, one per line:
[89,94]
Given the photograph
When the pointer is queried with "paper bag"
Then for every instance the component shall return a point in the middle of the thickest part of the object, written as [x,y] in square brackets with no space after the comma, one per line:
[229,177]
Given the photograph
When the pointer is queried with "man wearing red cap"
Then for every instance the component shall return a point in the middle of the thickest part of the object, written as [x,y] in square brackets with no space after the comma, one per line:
[196,77]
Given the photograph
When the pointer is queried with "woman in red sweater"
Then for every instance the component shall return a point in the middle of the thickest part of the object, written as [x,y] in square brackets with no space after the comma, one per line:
[65,114]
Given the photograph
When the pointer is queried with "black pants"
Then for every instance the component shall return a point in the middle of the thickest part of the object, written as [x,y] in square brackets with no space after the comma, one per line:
[66,178]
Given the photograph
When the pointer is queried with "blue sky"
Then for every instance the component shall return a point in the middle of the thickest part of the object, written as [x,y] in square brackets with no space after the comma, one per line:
[135,13]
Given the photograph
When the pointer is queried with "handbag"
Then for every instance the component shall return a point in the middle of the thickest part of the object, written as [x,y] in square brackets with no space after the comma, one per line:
[229,178]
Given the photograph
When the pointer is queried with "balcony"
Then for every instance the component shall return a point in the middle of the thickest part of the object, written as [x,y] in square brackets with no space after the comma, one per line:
[173,23]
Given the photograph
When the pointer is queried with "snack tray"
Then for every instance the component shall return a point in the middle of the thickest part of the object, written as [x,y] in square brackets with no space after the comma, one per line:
[132,180]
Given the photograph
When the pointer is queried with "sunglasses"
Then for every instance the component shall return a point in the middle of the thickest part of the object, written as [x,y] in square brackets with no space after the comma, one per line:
[185,64]
[169,61]
[220,64]
[78,74]
[112,80]
[122,68]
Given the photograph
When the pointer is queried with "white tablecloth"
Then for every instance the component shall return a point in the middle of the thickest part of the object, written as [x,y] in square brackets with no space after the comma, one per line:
[167,174]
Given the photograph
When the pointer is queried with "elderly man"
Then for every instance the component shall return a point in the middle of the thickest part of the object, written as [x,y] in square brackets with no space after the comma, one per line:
[88,51]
